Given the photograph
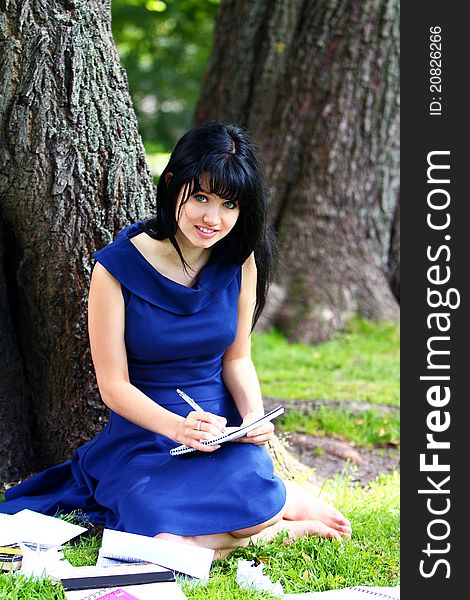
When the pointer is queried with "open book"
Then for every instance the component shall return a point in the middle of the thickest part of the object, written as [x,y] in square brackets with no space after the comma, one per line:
[232,433]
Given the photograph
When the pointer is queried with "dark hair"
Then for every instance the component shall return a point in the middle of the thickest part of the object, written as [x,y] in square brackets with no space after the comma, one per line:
[229,157]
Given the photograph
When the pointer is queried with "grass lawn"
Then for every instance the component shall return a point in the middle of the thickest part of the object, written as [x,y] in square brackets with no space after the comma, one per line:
[364,429]
[361,365]
[358,365]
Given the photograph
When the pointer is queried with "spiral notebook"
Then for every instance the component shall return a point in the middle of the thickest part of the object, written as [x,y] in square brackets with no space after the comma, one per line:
[233,433]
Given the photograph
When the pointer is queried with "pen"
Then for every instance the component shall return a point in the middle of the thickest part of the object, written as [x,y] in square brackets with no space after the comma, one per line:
[193,404]
[190,401]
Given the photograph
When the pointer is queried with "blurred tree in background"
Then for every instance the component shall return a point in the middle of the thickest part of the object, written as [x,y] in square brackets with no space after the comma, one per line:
[164,48]
[316,83]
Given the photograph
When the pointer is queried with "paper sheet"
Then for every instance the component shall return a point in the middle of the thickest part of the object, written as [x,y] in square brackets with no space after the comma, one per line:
[7,530]
[40,563]
[30,526]
[184,558]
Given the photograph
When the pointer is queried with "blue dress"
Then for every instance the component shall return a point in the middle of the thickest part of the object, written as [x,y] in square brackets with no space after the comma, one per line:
[125,477]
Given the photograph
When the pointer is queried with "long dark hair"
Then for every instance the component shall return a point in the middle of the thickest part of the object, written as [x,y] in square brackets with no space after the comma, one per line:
[228,157]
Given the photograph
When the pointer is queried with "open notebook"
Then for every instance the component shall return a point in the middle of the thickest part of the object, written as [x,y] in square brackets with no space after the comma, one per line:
[233,432]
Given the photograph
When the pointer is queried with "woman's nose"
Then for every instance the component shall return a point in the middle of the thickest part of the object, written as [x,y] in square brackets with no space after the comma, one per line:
[211,216]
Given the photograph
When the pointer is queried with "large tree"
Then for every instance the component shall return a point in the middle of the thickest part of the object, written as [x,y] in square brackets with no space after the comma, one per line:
[72,173]
[316,83]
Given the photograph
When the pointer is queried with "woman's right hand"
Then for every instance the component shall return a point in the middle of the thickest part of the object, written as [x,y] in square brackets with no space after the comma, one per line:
[199,426]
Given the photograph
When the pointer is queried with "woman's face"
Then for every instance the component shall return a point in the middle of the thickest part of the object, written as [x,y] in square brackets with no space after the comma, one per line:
[204,218]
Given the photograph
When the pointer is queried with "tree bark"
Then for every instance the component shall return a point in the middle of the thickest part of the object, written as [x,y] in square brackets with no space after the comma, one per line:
[72,173]
[16,455]
[316,83]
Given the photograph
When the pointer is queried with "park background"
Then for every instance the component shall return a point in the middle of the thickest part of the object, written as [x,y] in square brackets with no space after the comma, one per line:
[316,83]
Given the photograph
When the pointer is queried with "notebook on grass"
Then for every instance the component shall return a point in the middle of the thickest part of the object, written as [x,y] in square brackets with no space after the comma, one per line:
[233,433]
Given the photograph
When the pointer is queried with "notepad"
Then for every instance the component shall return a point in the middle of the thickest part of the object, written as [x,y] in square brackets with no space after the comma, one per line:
[194,561]
[233,433]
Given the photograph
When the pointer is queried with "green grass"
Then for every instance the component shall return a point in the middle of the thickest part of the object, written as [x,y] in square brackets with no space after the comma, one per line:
[85,553]
[360,364]
[371,557]
[365,428]
[18,587]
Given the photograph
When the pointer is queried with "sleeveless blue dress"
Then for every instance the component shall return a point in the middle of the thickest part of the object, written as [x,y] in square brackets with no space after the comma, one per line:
[125,477]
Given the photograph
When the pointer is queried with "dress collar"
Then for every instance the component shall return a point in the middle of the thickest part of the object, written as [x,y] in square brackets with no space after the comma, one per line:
[124,261]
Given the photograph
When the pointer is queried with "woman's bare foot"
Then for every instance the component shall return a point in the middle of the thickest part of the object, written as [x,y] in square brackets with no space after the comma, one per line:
[302,506]
[298,529]
[313,527]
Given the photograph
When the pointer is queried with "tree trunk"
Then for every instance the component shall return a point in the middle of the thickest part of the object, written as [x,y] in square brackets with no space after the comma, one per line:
[72,173]
[16,455]
[316,83]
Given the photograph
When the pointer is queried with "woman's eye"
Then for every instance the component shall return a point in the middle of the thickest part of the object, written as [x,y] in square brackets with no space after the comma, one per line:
[230,204]
[200,197]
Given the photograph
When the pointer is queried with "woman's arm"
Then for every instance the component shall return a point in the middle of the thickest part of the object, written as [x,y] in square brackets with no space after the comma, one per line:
[238,370]
[106,323]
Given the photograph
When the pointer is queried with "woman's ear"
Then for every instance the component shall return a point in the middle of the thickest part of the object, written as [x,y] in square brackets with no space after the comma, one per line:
[168,177]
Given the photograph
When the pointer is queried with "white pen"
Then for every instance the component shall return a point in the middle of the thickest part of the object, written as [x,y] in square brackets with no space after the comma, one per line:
[192,403]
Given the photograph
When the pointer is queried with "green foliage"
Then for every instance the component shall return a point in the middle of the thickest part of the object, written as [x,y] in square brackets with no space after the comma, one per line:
[164,48]
[157,162]
[364,428]
[18,587]
[361,363]
[84,553]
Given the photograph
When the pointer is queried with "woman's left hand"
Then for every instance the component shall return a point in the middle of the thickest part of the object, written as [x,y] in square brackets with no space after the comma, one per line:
[259,436]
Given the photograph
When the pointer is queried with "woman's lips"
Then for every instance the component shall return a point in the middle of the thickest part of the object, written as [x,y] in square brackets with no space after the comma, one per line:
[206,232]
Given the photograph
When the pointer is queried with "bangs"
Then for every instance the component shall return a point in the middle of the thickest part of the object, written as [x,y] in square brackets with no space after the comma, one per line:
[225,179]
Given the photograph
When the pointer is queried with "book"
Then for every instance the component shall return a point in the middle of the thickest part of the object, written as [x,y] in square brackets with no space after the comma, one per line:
[116,579]
[125,582]
[11,556]
[232,433]
[194,561]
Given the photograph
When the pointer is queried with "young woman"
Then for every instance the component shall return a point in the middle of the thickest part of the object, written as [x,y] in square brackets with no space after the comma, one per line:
[172,303]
